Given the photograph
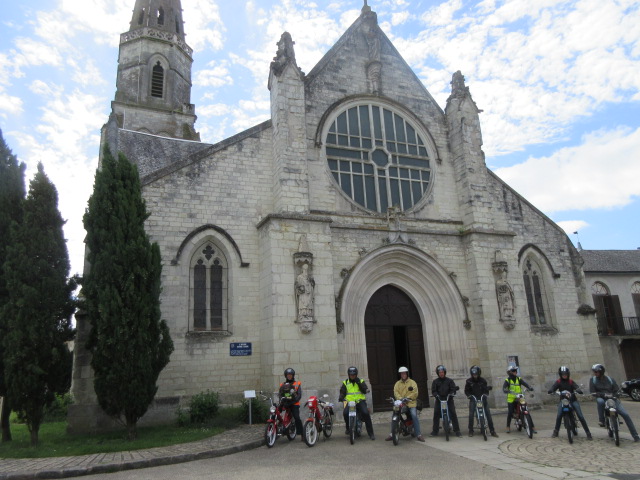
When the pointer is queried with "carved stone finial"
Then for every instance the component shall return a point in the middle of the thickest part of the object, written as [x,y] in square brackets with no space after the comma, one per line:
[458,88]
[366,7]
[284,54]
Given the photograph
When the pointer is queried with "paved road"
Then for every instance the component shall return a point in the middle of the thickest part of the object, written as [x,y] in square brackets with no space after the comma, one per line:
[510,457]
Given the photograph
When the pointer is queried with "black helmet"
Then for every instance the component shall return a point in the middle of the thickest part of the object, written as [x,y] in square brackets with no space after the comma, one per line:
[475,370]
[352,371]
[441,368]
[598,367]
[564,370]
[289,371]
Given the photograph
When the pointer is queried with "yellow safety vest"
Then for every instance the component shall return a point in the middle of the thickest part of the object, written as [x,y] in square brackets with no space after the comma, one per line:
[514,389]
[353,391]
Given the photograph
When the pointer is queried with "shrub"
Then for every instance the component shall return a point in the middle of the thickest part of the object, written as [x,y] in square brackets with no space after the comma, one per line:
[57,411]
[203,407]
[259,411]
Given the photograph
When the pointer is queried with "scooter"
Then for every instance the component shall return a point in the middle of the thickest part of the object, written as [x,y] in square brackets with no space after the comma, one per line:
[401,421]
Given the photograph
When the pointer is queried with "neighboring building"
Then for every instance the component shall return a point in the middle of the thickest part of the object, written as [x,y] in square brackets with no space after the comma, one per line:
[358,226]
[613,277]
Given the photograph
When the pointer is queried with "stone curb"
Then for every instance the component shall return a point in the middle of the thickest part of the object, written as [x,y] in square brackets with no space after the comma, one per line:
[78,471]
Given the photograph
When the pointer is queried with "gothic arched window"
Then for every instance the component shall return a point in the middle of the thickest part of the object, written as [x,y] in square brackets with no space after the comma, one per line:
[157,81]
[534,286]
[208,285]
[160,16]
[378,157]
[141,17]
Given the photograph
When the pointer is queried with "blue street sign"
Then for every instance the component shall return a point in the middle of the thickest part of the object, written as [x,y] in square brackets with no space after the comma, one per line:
[240,349]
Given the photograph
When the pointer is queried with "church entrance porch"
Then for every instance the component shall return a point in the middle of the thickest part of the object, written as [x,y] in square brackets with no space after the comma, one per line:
[393,333]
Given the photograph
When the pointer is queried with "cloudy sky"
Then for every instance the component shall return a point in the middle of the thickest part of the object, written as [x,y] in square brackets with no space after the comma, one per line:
[558,81]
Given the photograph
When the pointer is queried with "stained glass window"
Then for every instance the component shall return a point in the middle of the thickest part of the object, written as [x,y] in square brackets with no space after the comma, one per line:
[378,158]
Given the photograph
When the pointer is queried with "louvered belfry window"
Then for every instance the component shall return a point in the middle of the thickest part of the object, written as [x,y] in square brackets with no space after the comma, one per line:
[157,81]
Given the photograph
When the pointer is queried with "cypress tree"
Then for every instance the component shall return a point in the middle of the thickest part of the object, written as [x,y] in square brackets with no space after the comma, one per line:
[40,305]
[129,343]
[12,193]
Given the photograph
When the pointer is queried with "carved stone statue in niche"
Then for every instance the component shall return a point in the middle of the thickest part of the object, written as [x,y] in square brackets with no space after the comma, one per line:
[304,287]
[504,292]
[372,37]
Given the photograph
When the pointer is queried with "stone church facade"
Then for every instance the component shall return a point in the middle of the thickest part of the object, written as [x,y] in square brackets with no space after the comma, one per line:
[359,225]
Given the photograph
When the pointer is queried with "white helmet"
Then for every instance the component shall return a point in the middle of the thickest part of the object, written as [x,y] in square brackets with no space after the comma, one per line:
[403,369]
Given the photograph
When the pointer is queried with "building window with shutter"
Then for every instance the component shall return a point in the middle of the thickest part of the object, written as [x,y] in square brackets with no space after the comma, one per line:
[608,311]
[157,81]
[534,286]
[208,289]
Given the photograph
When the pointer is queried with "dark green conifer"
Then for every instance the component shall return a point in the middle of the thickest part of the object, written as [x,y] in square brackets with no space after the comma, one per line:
[12,194]
[39,307]
[129,343]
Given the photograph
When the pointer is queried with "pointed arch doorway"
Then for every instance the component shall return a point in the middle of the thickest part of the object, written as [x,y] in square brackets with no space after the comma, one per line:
[394,338]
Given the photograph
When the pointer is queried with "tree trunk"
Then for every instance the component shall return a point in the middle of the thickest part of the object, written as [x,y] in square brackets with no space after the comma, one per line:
[5,412]
[132,431]
[34,436]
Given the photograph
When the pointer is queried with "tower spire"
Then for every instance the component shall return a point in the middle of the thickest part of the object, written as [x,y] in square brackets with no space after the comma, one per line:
[165,15]
[153,87]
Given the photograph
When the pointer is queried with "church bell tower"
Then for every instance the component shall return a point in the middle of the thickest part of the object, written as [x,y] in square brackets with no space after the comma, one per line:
[154,73]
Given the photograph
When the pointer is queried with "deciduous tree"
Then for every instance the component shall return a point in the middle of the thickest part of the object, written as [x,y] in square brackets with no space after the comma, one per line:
[129,343]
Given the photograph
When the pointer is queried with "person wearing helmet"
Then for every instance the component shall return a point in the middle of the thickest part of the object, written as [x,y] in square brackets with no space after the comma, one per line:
[602,384]
[354,388]
[512,386]
[442,386]
[407,388]
[563,383]
[290,394]
[476,386]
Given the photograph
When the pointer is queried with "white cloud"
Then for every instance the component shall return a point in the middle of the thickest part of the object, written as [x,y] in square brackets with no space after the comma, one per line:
[602,172]
[571,226]
[217,75]
[9,104]
[203,24]
[399,18]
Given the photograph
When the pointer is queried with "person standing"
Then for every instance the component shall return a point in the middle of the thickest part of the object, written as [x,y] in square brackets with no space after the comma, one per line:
[476,386]
[290,393]
[354,388]
[512,386]
[408,388]
[564,383]
[600,385]
[442,387]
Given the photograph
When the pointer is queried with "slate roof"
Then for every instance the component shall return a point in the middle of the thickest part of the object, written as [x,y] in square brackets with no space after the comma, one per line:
[611,260]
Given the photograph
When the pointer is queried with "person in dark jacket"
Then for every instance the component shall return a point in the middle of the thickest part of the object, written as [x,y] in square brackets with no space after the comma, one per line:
[442,387]
[290,394]
[512,387]
[600,385]
[354,388]
[564,383]
[476,386]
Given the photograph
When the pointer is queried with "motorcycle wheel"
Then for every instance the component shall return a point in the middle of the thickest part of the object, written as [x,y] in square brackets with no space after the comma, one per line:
[483,428]
[327,425]
[616,431]
[395,432]
[270,434]
[445,425]
[569,427]
[607,424]
[634,393]
[291,431]
[310,432]
[528,426]
[352,429]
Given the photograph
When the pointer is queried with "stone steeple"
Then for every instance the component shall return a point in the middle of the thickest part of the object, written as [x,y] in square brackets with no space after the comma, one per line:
[154,73]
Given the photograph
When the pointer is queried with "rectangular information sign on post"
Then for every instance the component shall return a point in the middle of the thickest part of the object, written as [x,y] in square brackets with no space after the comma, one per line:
[240,349]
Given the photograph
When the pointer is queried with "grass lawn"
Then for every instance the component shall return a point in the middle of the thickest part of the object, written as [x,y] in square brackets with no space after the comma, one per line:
[55,442]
